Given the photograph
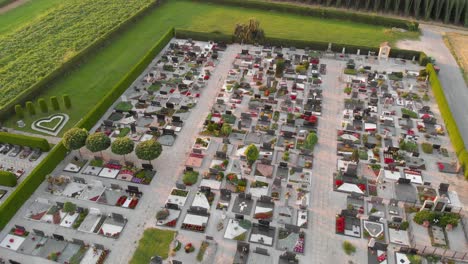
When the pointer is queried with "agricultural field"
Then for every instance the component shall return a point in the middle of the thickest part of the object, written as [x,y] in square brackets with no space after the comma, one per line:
[457,44]
[24,13]
[101,72]
[31,52]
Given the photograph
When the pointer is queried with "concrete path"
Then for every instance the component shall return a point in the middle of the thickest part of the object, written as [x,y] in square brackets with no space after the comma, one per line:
[12,5]
[51,139]
[450,75]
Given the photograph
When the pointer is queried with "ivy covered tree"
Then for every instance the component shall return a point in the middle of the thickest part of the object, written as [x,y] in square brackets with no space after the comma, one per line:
[252,154]
[75,138]
[148,150]
[98,142]
[249,33]
[122,146]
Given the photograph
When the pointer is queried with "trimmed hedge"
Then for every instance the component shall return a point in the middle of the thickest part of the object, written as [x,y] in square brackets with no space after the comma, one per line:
[445,111]
[66,101]
[26,188]
[314,45]
[90,119]
[321,13]
[34,90]
[19,111]
[54,102]
[8,179]
[43,105]
[31,108]
[22,140]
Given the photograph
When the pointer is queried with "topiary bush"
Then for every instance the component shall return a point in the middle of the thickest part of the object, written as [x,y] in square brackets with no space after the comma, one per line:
[348,248]
[31,108]
[55,103]
[43,105]
[66,101]
[8,178]
[19,111]
[190,177]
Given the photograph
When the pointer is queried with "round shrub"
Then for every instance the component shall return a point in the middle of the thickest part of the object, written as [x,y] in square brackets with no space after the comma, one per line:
[7,178]
[190,178]
[162,214]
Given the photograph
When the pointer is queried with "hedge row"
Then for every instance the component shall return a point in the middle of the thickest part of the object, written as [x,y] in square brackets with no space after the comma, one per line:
[27,141]
[8,179]
[450,123]
[321,13]
[27,187]
[314,45]
[33,91]
[93,116]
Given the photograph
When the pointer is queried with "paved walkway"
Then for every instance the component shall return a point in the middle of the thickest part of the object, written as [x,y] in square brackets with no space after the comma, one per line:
[12,5]
[51,139]
[450,76]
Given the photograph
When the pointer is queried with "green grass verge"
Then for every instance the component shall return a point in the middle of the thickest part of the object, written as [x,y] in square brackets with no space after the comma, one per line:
[155,242]
[104,70]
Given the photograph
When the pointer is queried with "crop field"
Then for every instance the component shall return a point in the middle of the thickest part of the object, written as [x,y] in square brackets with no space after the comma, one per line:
[33,51]
[93,79]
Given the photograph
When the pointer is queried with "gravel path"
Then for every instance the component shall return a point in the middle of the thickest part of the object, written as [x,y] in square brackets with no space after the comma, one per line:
[450,75]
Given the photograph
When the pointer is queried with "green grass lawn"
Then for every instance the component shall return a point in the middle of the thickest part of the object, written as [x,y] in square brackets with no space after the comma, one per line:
[93,79]
[24,13]
[155,242]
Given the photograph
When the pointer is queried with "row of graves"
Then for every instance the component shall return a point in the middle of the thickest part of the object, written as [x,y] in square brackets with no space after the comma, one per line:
[69,215]
[53,247]
[94,191]
[159,102]
[268,198]
[389,140]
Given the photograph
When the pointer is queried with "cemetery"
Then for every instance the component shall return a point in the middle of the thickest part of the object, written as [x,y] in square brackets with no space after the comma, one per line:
[254,154]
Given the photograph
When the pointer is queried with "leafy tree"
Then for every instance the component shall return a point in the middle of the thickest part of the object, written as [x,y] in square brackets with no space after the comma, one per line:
[54,102]
[252,154]
[43,105]
[31,108]
[311,141]
[98,142]
[122,146]
[148,150]
[249,33]
[19,111]
[69,207]
[279,68]
[67,101]
[226,129]
[75,138]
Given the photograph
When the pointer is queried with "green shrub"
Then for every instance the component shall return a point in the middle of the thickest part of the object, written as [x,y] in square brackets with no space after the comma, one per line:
[410,113]
[348,248]
[23,140]
[27,187]
[427,148]
[190,177]
[19,111]
[31,108]
[54,103]
[7,178]
[43,105]
[423,59]
[66,101]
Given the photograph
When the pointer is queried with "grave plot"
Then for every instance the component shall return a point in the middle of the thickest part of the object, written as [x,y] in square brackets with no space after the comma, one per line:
[376,209]
[243,204]
[264,169]
[112,226]
[92,192]
[91,221]
[259,187]
[224,200]
[262,233]
[285,213]
[38,209]
[94,167]
[302,218]
[54,215]
[14,239]
[235,184]
[347,223]
[196,219]
[190,176]
[260,255]
[237,229]
[178,197]
[299,175]
[75,165]
[276,189]
[203,198]
[264,208]
[282,171]
[168,216]
[168,136]
[291,238]
[195,159]
[374,229]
